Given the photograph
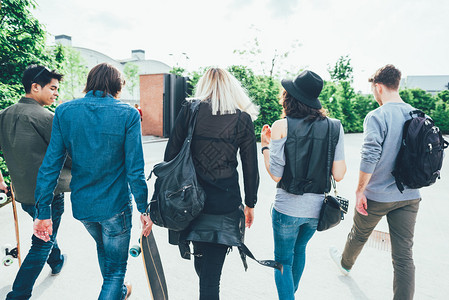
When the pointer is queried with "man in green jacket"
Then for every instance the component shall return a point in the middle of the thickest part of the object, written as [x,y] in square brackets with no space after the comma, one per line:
[25,134]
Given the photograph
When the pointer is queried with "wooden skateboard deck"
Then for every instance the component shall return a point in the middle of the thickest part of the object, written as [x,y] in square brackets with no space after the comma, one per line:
[153,268]
[7,250]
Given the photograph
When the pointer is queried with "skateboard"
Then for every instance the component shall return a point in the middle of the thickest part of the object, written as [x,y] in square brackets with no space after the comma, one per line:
[10,253]
[152,265]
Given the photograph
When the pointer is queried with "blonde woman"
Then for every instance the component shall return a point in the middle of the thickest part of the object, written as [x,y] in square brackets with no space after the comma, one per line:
[224,127]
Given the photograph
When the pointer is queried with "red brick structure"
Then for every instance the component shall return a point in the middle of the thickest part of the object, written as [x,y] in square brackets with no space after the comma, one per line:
[152,104]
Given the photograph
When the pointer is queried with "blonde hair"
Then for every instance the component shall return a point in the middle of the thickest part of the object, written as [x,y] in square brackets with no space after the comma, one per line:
[225,93]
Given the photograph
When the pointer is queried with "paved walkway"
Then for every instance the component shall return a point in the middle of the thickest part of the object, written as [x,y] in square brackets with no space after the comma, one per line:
[371,277]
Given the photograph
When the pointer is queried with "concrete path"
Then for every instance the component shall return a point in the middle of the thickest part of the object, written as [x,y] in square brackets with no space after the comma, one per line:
[371,277]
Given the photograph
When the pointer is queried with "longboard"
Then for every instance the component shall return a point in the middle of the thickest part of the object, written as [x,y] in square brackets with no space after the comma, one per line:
[9,252]
[152,265]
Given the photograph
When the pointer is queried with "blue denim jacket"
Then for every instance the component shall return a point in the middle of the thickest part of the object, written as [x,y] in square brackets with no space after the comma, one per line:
[103,137]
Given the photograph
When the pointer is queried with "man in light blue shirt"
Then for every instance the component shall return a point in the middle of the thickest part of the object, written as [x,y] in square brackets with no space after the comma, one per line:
[103,137]
[377,194]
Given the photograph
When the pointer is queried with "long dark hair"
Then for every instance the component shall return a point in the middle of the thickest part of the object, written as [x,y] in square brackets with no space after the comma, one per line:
[293,108]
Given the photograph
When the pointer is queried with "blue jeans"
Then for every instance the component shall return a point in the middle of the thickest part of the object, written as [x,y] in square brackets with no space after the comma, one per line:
[291,236]
[112,237]
[40,252]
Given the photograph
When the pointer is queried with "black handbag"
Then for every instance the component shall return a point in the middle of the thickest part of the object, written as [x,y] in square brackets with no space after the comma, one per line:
[178,198]
[334,207]
[332,210]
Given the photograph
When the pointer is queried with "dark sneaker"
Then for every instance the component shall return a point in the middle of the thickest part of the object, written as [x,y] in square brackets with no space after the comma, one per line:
[57,269]
[129,289]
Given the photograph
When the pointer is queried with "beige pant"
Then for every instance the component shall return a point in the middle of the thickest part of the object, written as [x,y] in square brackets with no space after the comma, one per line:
[401,218]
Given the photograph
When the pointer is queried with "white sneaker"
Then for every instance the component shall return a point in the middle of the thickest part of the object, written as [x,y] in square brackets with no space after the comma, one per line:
[336,257]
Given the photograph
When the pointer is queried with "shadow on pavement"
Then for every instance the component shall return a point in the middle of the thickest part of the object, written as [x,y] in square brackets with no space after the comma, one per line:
[354,288]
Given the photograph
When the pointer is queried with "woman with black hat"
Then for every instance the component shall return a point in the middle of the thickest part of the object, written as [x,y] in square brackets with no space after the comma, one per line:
[296,151]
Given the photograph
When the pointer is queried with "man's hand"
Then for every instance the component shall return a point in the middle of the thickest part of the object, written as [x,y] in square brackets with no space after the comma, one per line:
[147,224]
[249,216]
[43,229]
[361,203]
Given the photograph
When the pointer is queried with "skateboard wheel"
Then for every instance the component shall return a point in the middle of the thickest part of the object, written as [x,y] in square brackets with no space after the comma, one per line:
[135,251]
[8,260]
[3,198]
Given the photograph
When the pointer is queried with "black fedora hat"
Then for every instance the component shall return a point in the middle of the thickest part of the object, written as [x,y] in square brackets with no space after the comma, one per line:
[306,88]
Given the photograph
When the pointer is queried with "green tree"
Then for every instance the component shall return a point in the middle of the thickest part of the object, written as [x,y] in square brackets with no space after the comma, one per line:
[441,113]
[267,97]
[444,96]
[180,71]
[22,41]
[75,70]
[342,70]
[264,91]
[406,95]
[344,96]
[194,77]
[362,105]
[180,60]
[327,99]
[131,72]
[272,64]
[419,99]
[441,116]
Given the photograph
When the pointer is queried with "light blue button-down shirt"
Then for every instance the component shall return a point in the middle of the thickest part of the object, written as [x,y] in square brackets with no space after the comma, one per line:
[103,137]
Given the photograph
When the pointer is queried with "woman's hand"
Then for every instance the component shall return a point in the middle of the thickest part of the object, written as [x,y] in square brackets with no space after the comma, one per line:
[265,136]
[249,216]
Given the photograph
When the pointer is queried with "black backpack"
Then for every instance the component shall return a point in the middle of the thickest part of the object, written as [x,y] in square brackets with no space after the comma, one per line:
[178,197]
[420,157]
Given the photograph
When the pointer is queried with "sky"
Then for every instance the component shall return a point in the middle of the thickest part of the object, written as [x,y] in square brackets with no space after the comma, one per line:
[411,34]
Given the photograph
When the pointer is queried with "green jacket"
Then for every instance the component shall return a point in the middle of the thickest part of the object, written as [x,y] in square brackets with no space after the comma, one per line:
[25,130]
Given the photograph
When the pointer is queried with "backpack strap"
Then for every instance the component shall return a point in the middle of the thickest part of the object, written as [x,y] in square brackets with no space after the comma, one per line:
[399,184]
[418,112]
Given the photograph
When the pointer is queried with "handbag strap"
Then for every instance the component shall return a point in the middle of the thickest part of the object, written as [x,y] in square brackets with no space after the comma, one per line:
[329,159]
[194,107]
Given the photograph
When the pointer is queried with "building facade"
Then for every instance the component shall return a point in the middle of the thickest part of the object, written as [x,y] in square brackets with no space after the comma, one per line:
[430,83]
[145,66]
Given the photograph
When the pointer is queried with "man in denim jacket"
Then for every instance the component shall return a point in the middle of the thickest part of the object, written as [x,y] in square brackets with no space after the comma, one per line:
[103,137]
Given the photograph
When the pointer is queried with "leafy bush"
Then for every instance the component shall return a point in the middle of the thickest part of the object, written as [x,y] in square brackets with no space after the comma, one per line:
[337,97]
[441,116]
[419,99]
[263,91]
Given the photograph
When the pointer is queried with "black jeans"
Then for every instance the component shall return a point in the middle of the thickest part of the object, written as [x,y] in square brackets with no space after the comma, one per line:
[208,267]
